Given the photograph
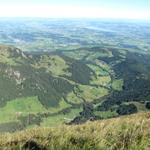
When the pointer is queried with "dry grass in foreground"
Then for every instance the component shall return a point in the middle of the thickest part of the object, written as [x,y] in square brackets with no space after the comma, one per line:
[124,133]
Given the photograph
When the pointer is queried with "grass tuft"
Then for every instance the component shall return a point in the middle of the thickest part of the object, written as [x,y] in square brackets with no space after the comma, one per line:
[124,133]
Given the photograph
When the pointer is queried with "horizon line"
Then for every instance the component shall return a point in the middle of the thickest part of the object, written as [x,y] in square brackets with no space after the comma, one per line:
[85,18]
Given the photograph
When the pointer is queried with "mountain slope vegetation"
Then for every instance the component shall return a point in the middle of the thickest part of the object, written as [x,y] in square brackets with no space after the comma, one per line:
[37,88]
[126,133]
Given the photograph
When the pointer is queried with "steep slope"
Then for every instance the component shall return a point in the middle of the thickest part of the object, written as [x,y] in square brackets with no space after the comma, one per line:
[36,88]
[49,89]
[126,133]
[23,84]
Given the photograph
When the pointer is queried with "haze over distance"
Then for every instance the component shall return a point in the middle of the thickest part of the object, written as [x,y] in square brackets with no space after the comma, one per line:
[115,9]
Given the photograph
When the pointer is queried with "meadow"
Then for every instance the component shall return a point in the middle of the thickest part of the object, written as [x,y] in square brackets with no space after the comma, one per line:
[123,133]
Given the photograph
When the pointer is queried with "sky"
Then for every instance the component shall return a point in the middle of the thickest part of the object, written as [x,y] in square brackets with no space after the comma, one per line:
[118,9]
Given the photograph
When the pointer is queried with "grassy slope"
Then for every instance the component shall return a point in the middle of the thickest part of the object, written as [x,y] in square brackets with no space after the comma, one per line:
[124,133]
[20,106]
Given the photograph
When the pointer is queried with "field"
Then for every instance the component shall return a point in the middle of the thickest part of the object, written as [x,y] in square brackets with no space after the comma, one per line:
[22,106]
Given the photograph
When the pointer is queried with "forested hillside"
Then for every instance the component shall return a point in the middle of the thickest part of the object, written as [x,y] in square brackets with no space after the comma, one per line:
[71,87]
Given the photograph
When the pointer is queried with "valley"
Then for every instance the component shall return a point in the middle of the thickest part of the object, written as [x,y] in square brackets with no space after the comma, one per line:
[55,72]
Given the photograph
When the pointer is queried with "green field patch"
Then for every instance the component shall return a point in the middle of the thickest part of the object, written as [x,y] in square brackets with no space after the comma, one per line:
[106,114]
[24,106]
[99,71]
[89,93]
[61,118]
[96,55]
[20,106]
[76,54]
[73,98]
[62,105]
[53,64]
[117,84]
[100,80]
[101,76]
[103,65]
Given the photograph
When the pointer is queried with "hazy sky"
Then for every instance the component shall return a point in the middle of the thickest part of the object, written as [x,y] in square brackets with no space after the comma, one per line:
[131,9]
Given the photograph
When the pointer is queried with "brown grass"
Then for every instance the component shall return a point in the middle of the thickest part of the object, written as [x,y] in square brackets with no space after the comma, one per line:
[124,133]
